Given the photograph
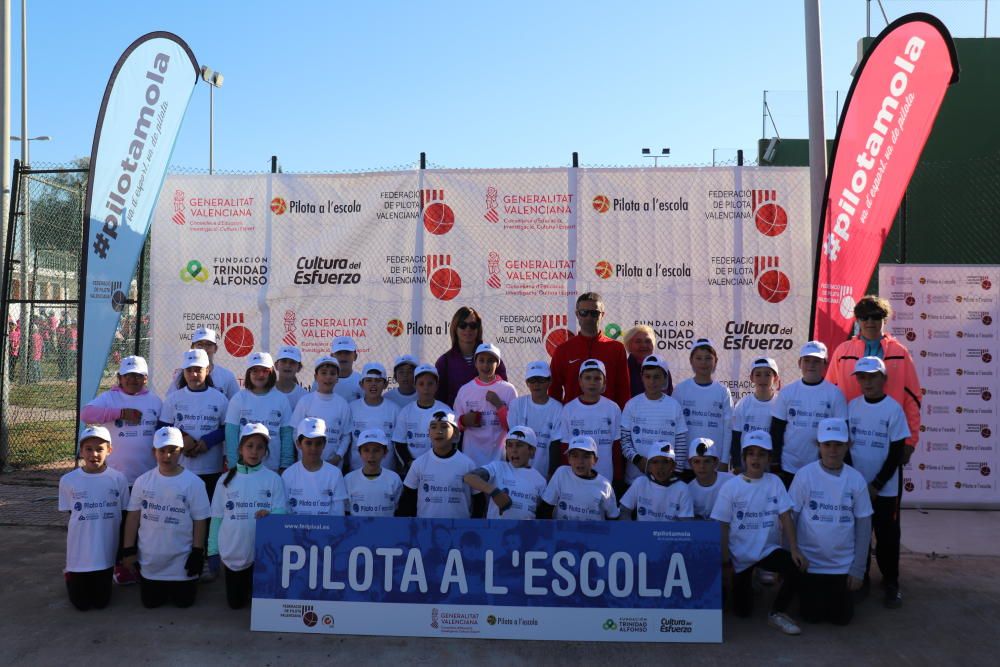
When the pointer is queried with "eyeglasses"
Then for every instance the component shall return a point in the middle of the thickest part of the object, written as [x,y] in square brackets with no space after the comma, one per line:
[870,318]
[468,325]
[589,313]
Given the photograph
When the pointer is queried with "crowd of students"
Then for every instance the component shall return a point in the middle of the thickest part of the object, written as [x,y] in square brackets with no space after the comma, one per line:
[797,478]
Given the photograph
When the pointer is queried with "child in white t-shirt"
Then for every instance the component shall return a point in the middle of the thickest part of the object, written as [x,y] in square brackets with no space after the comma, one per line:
[223,379]
[345,351]
[373,411]
[313,486]
[833,524]
[481,406]
[706,402]
[324,403]
[543,414]
[248,492]
[577,491]
[753,412]
[287,364]
[755,512]
[434,487]
[514,486]
[95,496]
[409,436]
[260,402]
[403,369]
[166,526]
[658,495]
[372,490]
[652,416]
[598,417]
[708,480]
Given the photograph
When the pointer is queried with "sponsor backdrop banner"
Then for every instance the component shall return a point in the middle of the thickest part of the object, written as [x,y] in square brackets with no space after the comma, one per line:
[567,580]
[388,257]
[140,116]
[947,316]
[887,117]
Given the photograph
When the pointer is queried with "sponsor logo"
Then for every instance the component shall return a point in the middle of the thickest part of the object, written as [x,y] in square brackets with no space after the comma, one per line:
[554,331]
[288,322]
[110,290]
[676,625]
[769,217]
[312,331]
[762,206]
[237,338]
[604,269]
[178,216]
[613,330]
[603,204]
[438,216]
[399,205]
[394,327]
[530,276]
[227,213]
[443,281]
[227,271]
[841,296]
[194,271]
[316,270]
[491,214]
[750,335]
[529,210]
[281,206]
[547,330]
[772,284]
[493,619]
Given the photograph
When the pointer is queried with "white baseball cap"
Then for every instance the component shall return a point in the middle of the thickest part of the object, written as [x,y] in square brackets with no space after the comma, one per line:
[758,438]
[813,348]
[593,365]
[703,342]
[327,359]
[584,443]
[425,368]
[655,361]
[311,427]
[404,359]
[133,365]
[764,362]
[524,434]
[537,369]
[373,369]
[663,448]
[869,365]
[98,432]
[254,428]
[168,436]
[488,348]
[289,352]
[343,344]
[371,435]
[445,416]
[703,447]
[195,357]
[833,430]
[260,359]
[204,333]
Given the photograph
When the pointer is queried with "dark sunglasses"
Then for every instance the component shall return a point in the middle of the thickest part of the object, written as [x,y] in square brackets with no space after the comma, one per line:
[878,317]
[588,313]
[468,325]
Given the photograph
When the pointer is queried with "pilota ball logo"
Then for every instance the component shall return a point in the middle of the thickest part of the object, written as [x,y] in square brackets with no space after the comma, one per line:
[279,206]
[910,301]
[445,284]
[601,204]
[985,471]
[908,486]
[394,327]
[555,338]
[986,396]
[987,357]
[986,284]
[770,219]
[310,618]
[439,218]
[491,619]
[604,269]
[238,341]
[773,286]
[118,300]
[911,336]
[987,320]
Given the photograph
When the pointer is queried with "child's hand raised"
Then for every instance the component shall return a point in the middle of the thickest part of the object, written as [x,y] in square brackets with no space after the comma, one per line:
[494,400]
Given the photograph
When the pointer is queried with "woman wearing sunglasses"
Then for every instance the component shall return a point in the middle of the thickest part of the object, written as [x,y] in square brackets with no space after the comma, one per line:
[455,366]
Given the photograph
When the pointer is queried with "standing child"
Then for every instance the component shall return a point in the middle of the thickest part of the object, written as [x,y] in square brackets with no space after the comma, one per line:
[287,365]
[707,403]
[313,486]
[372,490]
[260,402]
[166,526]
[373,411]
[704,488]
[514,486]
[481,406]
[597,417]
[325,404]
[95,496]
[753,411]
[833,523]
[577,491]
[798,410]
[403,369]
[345,350]
[223,379]
[543,414]
[434,486]
[879,427]
[409,436]
[755,512]
[652,416]
[248,492]
[658,495]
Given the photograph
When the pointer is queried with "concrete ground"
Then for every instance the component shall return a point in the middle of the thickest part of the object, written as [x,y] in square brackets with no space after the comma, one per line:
[951,613]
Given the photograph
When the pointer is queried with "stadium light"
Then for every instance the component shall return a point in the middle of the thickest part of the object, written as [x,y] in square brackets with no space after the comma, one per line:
[664,153]
[214,80]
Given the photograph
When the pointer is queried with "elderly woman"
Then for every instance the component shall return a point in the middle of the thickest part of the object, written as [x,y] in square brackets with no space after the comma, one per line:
[640,342]
[455,366]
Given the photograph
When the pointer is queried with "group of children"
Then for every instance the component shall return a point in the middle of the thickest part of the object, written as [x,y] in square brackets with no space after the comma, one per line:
[349,447]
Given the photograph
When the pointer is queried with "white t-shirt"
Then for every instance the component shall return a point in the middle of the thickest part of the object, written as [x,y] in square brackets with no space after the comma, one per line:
[364,417]
[523,485]
[873,427]
[804,406]
[95,502]
[132,444]
[412,424]
[544,420]
[751,508]
[295,395]
[602,422]
[655,502]
[319,492]
[237,505]
[349,388]
[270,409]
[580,499]
[198,413]
[333,410]
[703,497]
[373,497]
[484,443]
[399,399]
[168,508]
[827,505]
[223,380]
[647,421]
[708,411]
[441,491]
[753,414]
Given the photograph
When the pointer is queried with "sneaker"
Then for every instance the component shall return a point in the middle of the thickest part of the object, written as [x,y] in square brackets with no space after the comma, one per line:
[124,576]
[210,571]
[893,598]
[783,623]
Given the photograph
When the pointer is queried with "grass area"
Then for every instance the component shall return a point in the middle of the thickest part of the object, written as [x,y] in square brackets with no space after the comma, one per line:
[38,443]
[55,395]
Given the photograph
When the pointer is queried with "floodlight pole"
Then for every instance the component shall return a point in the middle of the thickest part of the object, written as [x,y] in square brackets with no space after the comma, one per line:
[817,129]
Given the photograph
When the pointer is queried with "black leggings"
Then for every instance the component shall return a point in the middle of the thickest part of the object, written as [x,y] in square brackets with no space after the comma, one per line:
[779,561]
[157,592]
[239,587]
[824,597]
[885,522]
[89,590]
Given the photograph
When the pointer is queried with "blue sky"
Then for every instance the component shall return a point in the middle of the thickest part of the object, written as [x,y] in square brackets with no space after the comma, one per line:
[333,86]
